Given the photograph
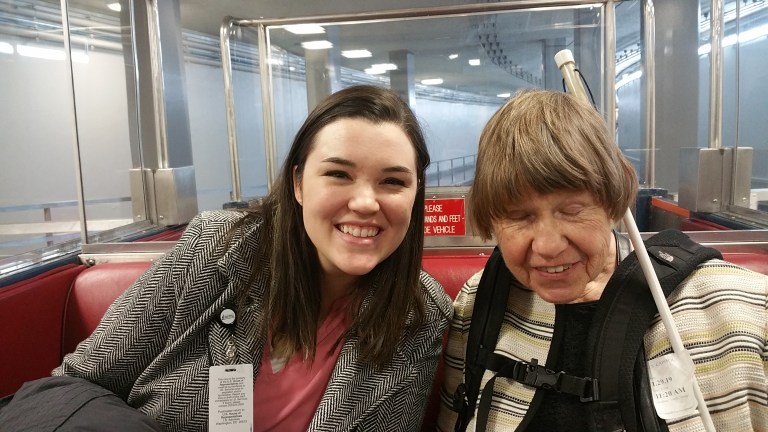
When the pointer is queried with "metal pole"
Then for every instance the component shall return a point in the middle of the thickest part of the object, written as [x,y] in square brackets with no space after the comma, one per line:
[417,13]
[161,137]
[609,61]
[265,69]
[649,70]
[76,132]
[229,98]
[716,74]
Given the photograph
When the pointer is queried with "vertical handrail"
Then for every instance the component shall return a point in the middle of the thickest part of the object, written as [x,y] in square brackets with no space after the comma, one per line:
[76,131]
[716,74]
[229,99]
[649,71]
[265,69]
[609,60]
[158,85]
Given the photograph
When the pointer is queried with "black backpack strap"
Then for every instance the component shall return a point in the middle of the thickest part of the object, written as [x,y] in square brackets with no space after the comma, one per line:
[625,311]
[487,317]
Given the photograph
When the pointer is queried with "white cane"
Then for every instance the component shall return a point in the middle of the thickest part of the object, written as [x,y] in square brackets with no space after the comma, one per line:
[573,84]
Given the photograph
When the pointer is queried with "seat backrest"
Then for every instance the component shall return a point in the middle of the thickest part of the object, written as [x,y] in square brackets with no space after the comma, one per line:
[752,260]
[93,290]
[452,271]
[30,326]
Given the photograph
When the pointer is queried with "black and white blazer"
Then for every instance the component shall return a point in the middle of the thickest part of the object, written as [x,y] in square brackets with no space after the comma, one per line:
[156,342]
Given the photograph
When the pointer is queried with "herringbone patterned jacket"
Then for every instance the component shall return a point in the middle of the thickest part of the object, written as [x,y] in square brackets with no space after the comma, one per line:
[156,342]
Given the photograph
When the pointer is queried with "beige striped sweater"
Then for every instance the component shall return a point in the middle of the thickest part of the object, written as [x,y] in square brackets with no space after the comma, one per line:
[720,311]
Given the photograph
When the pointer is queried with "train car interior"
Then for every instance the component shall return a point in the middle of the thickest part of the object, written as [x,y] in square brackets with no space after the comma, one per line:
[122,120]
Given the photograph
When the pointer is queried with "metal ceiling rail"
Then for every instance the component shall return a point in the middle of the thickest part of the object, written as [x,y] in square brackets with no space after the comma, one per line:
[417,13]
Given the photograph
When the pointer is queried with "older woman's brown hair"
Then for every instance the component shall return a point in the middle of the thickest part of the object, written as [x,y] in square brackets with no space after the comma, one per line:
[541,142]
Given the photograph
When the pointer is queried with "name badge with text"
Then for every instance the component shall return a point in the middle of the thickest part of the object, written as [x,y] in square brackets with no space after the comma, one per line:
[230,398]
[672,387]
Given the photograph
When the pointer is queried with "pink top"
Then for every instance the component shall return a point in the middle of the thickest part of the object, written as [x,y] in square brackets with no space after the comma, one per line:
[286,399]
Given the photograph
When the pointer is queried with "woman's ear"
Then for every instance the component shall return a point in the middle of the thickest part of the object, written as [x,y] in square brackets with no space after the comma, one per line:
[297,185]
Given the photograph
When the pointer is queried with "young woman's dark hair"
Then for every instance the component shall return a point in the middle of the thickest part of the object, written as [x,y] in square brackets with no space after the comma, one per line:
[293,311]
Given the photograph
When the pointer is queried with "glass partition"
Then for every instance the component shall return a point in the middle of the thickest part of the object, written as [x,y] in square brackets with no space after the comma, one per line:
[705,152]
[454,70]
[66,147]
[76,125]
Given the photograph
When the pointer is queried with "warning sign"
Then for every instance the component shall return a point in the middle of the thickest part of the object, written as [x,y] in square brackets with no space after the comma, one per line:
[444,217]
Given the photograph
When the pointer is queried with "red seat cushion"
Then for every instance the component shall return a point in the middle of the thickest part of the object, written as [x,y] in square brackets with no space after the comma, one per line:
[452,271]
[30,318]
[92,292]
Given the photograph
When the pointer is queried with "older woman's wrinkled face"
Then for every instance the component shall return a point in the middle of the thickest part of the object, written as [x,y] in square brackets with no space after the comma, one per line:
[560,245]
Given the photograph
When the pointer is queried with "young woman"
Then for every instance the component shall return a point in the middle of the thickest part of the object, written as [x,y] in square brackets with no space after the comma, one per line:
[315,293]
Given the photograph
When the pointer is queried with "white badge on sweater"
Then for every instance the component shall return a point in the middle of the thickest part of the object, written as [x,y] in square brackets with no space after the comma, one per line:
[672,386]
[230,398]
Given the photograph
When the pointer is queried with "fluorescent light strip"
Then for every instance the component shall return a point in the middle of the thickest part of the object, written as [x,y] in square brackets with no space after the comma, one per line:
[6,48]
[316,45]
[385,66]
[432,81]
[474,62]
[305,29]
[359,53]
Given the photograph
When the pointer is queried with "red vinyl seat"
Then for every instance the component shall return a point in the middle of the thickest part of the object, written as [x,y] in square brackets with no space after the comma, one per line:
[45,317]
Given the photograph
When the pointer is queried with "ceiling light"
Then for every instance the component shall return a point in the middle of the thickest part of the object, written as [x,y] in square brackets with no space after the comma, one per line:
[374,71]
[453,56]
[114,6]
[6,48]
[359,53]
[432,81]
[474,62]
[303,29]
[318,44]
[384,66]
[504,95]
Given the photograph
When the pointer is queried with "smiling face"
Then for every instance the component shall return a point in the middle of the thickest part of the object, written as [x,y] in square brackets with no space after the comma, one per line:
[357,192]
[560,245]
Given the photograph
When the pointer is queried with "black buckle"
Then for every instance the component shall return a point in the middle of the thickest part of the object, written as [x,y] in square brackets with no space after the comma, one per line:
[535,375]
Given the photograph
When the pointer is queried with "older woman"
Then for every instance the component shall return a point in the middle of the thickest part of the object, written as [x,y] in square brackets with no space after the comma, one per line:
[550,185]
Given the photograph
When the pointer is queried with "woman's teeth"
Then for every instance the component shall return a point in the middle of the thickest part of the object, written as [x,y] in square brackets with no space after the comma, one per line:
[358,231]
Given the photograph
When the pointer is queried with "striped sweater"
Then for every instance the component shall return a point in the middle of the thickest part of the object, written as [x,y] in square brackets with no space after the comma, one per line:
[157,341]
[720,311]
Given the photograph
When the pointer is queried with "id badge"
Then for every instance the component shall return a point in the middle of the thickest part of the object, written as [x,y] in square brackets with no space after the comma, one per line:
[230,398]
[672,387]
